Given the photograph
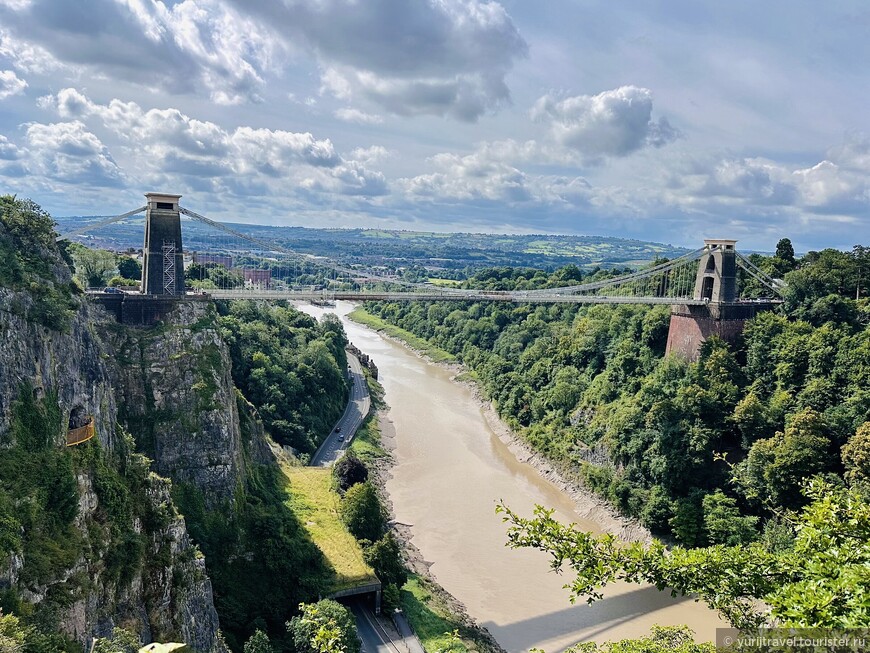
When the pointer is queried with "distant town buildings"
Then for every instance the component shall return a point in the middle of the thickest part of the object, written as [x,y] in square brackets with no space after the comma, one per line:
[254,277]
[217,259]
[261,279]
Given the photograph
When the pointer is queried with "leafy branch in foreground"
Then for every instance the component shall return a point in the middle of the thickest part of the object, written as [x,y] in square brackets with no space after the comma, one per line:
[823,580]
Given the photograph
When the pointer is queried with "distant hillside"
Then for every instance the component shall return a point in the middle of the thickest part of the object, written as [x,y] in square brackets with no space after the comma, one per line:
[429,249]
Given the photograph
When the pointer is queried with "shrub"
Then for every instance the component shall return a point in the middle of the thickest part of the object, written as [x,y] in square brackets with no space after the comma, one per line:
[349,471]
[324,627]
[362,513]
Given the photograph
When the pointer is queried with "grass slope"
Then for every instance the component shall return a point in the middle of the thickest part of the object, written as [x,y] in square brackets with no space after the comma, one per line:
[439,630]
[313,500]
[366,443]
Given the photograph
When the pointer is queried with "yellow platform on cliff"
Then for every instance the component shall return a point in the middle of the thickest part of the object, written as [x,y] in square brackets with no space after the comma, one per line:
[81,434]
[315,503]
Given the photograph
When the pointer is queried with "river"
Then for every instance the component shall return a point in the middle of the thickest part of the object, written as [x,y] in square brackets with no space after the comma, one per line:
[450,470]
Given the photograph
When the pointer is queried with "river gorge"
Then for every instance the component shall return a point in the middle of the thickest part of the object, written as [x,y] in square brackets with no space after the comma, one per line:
[450,469]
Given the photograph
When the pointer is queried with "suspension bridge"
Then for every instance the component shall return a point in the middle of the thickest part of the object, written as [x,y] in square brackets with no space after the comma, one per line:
[706,288]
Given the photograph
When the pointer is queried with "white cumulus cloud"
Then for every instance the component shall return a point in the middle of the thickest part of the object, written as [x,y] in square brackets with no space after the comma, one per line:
[409,57]
[611,124]
[68,152]
[256,160]
[193,45]
[10,84]
[474,177]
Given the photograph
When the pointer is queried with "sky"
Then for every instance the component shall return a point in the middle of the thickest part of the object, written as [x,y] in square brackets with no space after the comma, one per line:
[666,120]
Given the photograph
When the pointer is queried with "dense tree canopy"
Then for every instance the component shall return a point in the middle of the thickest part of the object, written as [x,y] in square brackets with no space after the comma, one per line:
[129,268]
[94,267]
[702,451]
[385,557]
[348,471]
[324,627]
[290,367]
[822,580]
[258,643]
[362,512]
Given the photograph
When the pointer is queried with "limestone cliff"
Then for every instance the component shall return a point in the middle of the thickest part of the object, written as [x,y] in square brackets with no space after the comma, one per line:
[126,558]
[71,363]
[176,396]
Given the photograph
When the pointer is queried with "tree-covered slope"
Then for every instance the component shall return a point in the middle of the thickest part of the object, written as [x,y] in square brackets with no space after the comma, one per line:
[289,366]
[705,451]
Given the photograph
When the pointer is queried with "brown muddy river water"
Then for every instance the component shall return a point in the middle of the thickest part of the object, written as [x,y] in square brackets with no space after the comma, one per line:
[450,470]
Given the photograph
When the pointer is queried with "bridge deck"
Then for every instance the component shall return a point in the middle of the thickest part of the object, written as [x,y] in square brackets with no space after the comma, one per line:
[519,297]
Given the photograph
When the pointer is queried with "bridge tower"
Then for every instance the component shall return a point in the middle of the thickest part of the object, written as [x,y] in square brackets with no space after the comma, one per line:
[723,314]
[163,265]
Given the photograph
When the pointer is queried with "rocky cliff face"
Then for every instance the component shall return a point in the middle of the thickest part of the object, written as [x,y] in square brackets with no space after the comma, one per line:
[72,364]
[171,386]
[169,598]
[176,396]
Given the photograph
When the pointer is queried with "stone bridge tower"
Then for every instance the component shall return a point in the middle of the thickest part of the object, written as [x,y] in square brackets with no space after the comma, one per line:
[723,314]
[163,265]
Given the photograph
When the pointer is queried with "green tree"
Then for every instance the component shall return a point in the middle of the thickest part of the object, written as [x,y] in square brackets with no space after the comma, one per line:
[362,512]
[751,417]
[822,581]
[723,523]
[776,467]
[324,627]
[129,268]
[349,471]
[121,641]
[94,267]
[391,598]
[385,557]
[258,643]
[856,456]
[688,520]
[195,272]
[13,634]
[225,279]
[783,259]
[658,509]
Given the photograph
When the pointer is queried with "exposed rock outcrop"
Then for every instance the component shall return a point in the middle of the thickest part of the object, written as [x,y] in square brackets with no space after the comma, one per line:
[72,364]
[168,598]
[175,378]
[176,396]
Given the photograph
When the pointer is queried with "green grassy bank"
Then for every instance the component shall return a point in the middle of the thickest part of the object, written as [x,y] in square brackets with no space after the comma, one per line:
[361,316]
[314,501]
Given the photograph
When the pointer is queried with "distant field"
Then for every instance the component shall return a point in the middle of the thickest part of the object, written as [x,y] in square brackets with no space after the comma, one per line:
[443,282]
[315,504]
